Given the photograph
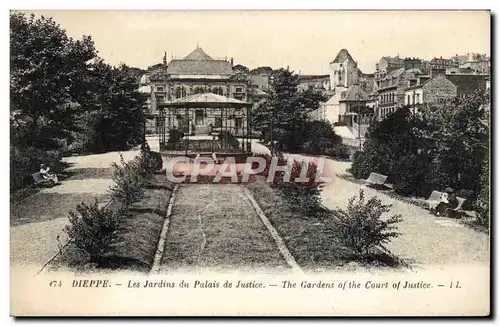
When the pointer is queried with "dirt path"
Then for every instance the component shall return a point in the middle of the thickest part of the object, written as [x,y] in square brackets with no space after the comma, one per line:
[215,228]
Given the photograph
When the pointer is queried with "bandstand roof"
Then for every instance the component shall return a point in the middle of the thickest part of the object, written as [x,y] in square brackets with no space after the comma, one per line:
[205,100]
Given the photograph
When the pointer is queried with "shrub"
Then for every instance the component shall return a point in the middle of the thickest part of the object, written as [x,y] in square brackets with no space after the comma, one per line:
[92,228]
[360,229]
[360,167]
[303,196]
[129,178]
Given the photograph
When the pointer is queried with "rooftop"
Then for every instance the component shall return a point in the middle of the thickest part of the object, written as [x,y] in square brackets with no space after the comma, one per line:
[199,63]
[354,93]
[342,56]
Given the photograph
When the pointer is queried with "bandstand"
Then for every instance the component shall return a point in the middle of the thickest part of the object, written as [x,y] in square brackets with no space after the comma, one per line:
[205,123]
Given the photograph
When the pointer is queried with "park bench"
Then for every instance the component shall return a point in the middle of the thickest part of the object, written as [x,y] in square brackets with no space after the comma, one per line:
[434,200]
[41,181]
[376,179]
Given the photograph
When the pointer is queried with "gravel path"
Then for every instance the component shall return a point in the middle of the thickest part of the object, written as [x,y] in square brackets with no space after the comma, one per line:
[40,219]
[214,227]
[426,240]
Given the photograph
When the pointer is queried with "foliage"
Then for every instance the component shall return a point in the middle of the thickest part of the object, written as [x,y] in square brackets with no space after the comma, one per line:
[360,228]
[61,90]
[303,195]
[443,145]
[461,138]
[318,137]
[25,161]
[286,111]
[47,71]
[129,178]
[483,201]
[92,228]
[117,118]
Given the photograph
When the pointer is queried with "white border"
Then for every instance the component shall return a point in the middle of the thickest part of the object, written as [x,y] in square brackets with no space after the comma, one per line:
[190,4]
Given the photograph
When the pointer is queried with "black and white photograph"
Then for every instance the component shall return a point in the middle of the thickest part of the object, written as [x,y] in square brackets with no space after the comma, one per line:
[250,162]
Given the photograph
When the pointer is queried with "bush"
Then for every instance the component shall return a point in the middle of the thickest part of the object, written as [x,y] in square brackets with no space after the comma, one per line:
[361,168]
[360,229]
[92,228]
[303,196]
[129,179]
[482,203]
[26,161]
[340,151]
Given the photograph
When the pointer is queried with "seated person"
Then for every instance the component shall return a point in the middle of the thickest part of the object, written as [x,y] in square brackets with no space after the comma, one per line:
[46,174]
[448,200]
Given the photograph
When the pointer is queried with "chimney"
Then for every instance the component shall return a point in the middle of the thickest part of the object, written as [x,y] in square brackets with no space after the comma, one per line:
[232,61]
[437,71]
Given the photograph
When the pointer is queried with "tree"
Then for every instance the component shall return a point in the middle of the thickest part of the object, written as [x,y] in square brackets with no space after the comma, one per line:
[395,147]
[461,138]
[47,78]
[117,120]
[283,114]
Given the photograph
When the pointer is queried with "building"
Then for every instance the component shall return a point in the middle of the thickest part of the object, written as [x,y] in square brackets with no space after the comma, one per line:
[432,90]
[442,86]
[317,82]
[386,65]
[343,106]
[441,63]
[343,70]
[259,77]
[194,74]
[391,92]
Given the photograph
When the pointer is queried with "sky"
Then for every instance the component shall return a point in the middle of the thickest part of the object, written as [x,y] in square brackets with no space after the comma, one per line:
[307,41]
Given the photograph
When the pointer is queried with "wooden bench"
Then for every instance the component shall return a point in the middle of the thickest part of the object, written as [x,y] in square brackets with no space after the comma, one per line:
[376,179]
[434,199]
[41,181]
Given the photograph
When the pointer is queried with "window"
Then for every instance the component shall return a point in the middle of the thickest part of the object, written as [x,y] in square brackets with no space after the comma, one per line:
[180,92]
[199,117]
[418,98]
[160,98]
[199,90]
[160,88]
[239,89]
[239,96]
[217,90]
[408,100]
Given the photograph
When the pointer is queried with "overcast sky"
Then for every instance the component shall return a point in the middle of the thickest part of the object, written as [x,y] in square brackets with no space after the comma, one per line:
[305,40]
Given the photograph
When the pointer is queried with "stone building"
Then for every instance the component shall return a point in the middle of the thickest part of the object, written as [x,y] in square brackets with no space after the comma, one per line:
[343,70]
[432,90]
[194,74]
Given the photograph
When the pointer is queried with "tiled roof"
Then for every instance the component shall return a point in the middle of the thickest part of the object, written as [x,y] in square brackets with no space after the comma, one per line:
[198,54]
[354,93]
[199,67]
[394,73]
[342,56]
[199,63]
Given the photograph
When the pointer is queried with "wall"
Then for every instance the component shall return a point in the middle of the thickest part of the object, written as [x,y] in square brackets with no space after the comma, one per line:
[438,88]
